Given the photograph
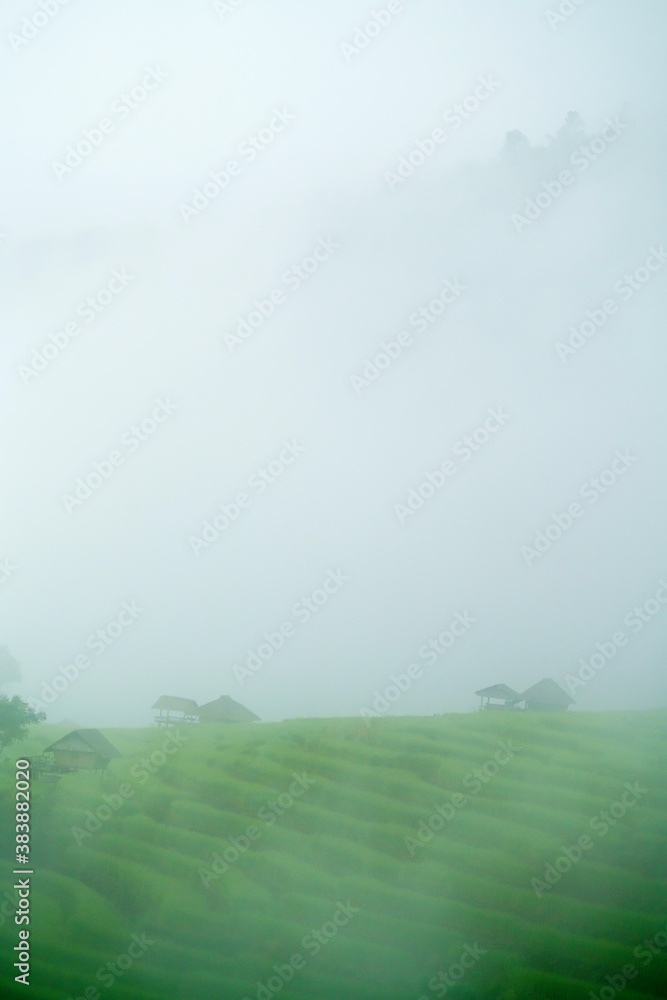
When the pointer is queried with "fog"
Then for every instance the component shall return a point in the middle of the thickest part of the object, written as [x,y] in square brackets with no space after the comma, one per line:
[545,532]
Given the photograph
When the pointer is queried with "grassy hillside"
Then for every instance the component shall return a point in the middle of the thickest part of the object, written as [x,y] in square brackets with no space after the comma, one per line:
[340,855]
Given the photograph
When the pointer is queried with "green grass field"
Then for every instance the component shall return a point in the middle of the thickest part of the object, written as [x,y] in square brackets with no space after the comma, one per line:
[411,908]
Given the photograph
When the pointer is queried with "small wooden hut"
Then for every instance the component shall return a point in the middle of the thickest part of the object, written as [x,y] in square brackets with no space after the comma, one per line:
[225,709]
[498,696]
[82,749]
[546,696]
[175,710]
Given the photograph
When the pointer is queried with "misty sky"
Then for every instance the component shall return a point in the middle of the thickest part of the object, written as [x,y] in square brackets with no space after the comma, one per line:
[170,284]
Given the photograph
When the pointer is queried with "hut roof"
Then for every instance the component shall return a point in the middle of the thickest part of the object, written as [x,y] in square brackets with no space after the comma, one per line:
[172,704]
[499,691]
[547,692]
[85,741]
[225,709]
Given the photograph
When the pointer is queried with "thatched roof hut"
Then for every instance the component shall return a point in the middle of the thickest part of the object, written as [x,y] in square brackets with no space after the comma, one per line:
[546,696]
[84,749]
[498,693]
[173,709]
[225,709]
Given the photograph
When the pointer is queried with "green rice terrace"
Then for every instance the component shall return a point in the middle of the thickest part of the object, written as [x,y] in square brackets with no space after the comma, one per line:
[503,855]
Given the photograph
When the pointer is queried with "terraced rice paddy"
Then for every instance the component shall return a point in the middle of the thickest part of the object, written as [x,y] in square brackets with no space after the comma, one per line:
[401,848]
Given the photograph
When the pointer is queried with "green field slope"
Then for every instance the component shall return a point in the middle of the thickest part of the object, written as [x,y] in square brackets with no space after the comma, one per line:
[494,855]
